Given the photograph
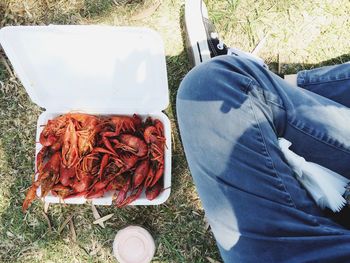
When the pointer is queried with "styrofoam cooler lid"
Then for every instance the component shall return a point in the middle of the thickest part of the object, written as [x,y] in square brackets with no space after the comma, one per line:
[102,68]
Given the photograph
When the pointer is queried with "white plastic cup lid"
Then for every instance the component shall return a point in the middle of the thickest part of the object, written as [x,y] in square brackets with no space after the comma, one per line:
[133,244]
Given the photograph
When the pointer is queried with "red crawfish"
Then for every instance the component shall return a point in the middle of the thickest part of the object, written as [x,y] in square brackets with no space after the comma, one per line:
[61,190]
[85,155]
[154,136]
[122,199]
[87,127]
[155,174]
[131,143]
[154,191]
[70,151]
[125,124]
[140,173]
[67,175]
[52,134]
[47,177]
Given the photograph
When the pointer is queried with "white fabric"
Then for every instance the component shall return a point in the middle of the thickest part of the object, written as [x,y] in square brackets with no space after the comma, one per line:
[325,186]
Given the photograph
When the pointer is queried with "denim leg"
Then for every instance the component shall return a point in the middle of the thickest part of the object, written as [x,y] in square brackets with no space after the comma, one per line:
[332,82]
[231,111]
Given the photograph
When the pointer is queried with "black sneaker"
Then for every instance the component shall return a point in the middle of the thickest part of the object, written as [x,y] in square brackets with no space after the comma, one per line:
[202,40]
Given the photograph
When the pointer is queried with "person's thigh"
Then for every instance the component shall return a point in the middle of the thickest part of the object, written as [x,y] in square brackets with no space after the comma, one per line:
[230,113]
[332,82]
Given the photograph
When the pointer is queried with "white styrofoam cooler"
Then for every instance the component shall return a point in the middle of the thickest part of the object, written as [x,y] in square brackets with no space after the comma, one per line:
[92,69]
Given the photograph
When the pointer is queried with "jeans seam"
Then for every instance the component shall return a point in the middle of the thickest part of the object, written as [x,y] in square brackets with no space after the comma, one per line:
[318,139]
[276,104]
[247,87]
[262,92]
[323,81]
[269,156]
[304,80]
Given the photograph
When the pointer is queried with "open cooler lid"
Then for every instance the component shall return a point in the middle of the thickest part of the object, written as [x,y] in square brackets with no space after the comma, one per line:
[89,68]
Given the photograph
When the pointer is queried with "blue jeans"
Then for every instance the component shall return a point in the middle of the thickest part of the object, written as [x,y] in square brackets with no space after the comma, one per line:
[231,110]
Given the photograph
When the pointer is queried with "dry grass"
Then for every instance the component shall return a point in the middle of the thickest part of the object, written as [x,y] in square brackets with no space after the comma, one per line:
[303,34]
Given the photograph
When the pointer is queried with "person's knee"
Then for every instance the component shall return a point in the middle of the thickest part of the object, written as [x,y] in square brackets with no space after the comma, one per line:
[201,78]
[193,83]
[218,79]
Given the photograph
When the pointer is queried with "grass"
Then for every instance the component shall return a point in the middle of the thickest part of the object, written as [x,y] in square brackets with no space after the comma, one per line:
[300,35]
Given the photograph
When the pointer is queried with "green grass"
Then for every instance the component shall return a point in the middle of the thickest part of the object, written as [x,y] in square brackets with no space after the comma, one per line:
[300,34]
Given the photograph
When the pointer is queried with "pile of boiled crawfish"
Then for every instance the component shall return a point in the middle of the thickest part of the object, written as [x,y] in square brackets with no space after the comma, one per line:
[85,156]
